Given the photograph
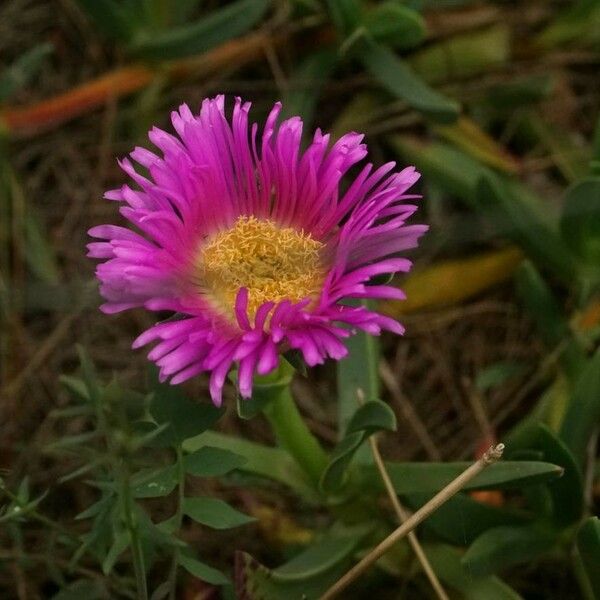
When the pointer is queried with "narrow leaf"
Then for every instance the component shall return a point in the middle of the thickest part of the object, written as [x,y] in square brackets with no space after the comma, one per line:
[202,571]
[501,547]
[214,513]
[219,26]
[588,545]
[398,78]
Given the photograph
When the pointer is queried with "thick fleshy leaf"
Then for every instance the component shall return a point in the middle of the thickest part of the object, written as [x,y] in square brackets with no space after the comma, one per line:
[321,556]
[304,577]
[219,26]
[583,412]
[368,419]
[543,307]
[588,546]
[501,547]
[580,220]
[446,563]
[426,477]
[525,224]
[461,520]
[22,70]
[398,78]
[395,25]
[345,14]
[214,513]
[567,491]
[357,371]
[306,82]
[110,17]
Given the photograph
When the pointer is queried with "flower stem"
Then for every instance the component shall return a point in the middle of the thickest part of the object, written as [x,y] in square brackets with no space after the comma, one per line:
[295,436]
[134,539]
[178,520]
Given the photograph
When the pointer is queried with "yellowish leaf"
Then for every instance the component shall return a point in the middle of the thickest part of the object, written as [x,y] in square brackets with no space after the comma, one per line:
[454,281]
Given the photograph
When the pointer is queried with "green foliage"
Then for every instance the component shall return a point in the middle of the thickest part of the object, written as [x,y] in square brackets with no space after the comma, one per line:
[369,418]
[184,418]
[214,513]
[221,25]
[419,477]
[398,78]
[583,412]
[498,548]
[307,575]
[447,563]
[588,546]
[23,70]
[580,221]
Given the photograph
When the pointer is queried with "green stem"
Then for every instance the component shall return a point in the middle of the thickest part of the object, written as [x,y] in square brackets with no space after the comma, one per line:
[134,539]
[178,521]
[294,435]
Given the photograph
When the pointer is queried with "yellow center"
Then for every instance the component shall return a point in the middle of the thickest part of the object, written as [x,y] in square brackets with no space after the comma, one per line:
[272,262]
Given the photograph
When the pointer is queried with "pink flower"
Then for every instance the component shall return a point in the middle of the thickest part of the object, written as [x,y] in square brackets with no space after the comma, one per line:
[254,246]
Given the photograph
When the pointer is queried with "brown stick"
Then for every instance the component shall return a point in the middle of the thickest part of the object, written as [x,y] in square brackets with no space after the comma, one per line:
[491,456]
[403,516]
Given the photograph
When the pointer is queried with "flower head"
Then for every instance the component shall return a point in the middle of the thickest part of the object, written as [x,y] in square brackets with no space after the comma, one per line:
[255,245]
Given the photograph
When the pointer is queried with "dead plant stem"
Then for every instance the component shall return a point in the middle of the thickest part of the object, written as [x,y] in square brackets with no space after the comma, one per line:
[490,457]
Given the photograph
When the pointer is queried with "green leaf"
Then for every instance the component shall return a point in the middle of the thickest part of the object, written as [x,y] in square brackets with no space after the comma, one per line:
[446,563]
[83,588]
[368,419]
[201,570]
[397,77]
[185,417]
[89,376]
[214,513]
[526,225]
[543,307]
[395,25]
[110,18]
[541,304]
[305,84]
[345,14]
[583,412]
[120,542]
[588,545]
[371,417]
[219,26]
[501,547]
[497,373]
[265,389]
[580,220]
[270,463]
[462,519]
[567,491]
[357,371]
[429,477]
[155,483]
[464,56]
[212,462]
[321,556]
[304,577]
[23,70]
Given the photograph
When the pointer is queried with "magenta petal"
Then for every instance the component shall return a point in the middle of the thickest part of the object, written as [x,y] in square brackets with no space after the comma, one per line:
[215,168]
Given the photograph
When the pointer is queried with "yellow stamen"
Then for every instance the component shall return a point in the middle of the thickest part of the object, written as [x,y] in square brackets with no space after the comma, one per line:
[273,262]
